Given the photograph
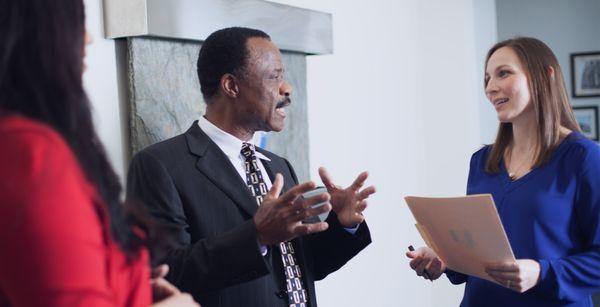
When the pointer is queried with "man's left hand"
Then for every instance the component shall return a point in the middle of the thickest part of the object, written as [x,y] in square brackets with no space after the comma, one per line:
[348,203]
[518,276]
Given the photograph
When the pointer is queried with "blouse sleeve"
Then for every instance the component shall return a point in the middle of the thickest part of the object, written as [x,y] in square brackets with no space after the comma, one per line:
[53,249]
[456,278]
[576,276]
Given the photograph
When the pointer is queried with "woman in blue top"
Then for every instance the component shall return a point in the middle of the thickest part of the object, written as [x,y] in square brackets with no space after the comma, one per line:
[544,176]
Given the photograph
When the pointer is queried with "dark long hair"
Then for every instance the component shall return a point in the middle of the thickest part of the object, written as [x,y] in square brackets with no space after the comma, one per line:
[548,96]
[41,65]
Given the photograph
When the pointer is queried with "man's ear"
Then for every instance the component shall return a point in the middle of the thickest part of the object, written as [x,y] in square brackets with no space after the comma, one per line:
[229,85]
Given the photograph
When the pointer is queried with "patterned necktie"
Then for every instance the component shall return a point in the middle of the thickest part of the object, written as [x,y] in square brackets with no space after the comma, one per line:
[297,296]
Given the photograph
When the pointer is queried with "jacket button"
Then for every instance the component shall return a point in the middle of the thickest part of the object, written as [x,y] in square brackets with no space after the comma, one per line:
[280,294]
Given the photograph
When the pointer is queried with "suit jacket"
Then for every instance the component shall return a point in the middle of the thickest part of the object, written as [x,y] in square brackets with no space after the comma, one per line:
[190,186]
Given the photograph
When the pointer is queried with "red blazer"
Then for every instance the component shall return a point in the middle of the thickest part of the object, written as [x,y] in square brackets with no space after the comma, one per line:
[55,245]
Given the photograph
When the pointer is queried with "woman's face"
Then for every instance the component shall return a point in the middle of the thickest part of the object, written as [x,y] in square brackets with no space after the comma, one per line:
[507,87]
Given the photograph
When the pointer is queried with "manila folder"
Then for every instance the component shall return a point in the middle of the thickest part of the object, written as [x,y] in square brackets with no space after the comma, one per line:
[465,232]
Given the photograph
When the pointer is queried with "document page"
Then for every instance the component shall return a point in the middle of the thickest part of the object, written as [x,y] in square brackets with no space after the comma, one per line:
[465,232]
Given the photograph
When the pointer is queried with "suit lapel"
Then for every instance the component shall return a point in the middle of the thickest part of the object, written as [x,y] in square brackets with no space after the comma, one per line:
[215,165]
[274,167]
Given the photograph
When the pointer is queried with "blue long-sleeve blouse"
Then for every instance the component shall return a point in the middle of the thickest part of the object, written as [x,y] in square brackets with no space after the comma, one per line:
[551,215]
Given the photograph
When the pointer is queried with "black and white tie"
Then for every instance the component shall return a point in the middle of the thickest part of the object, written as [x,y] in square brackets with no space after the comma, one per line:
[297,296]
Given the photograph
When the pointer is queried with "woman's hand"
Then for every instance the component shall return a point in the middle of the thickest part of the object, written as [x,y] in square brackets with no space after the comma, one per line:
[179,300]
[161,288]
[518,276]
[165,294]
[424,258]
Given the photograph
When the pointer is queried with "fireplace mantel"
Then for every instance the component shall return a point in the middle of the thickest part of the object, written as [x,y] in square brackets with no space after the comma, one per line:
[291,28]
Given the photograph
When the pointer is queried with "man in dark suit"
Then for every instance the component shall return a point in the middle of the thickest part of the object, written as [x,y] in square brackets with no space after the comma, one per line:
[237,240]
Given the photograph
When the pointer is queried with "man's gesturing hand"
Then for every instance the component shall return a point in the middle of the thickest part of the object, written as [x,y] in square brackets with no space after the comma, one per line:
[279,218]
[348,203]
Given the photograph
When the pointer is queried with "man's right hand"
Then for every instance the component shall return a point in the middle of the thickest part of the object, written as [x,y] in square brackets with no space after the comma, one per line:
[279,218]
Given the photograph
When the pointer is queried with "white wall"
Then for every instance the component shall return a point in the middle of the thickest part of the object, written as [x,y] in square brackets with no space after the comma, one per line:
[100,80]
[399,97]
[485,37]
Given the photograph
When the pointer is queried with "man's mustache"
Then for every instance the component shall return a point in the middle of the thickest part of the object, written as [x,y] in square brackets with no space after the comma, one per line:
[284,103]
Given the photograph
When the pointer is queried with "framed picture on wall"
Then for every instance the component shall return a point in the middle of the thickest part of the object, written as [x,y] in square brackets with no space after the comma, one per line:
[585,74]
[587,117]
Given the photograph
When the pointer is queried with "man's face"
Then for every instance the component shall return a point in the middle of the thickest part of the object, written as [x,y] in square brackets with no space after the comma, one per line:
[263,92]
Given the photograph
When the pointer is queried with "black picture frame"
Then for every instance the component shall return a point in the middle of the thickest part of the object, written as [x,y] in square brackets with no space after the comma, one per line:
[585,74]
[587,117]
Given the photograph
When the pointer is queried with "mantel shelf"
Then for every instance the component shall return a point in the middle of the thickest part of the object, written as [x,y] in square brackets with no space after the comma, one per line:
[291,28]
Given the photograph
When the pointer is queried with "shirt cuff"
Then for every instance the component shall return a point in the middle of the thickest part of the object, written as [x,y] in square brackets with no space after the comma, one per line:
[263,250]
[352,230]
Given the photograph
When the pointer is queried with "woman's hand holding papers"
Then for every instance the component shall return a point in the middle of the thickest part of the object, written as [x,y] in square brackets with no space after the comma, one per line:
[424,258]
[518,276]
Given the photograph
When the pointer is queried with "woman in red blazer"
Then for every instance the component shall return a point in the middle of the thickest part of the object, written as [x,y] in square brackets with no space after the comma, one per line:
[65,239]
